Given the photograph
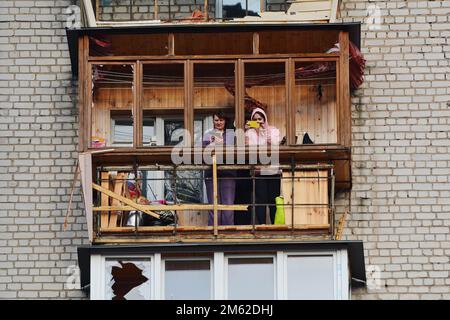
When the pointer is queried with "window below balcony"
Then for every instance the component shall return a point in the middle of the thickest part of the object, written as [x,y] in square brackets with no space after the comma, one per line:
[320,274]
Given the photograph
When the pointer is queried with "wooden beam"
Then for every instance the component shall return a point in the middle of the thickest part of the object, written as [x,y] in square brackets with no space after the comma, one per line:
[124,200]
[334,10]
[171,44]
[189,102]
[215,195]
[104,200]
[89,13]
[97,9]
[137,104]
[81,95]
[237,228]
[85,163]
[255,43]
[236,207]
[344,107]
[118,188]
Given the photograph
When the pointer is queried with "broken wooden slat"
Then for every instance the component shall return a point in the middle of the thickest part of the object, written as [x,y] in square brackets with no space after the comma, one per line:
[334,10]
[124,200]
[235,207]
[85,162]
[118,188]
[104,219]
[215,202]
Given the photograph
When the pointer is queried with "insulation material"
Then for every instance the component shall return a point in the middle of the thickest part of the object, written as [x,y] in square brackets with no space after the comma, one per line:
[128,280]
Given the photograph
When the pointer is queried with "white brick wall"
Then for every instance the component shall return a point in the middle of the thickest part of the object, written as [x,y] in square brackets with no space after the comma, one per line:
[401,159]
[38,137]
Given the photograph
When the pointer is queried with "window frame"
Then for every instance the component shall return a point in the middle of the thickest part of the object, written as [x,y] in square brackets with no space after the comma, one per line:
[218,269]
[292,118]
[251,256]
[192,258]
[90,99]
[188,107]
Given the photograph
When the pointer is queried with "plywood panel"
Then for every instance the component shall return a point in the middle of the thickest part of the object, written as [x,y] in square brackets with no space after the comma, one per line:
[310,197]
[203,43]
[294,41]
[212,97]
[313,114]
[163,98]
[192,218]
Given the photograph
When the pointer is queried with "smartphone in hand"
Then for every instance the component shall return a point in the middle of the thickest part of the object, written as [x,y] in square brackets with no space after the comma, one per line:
[253,124]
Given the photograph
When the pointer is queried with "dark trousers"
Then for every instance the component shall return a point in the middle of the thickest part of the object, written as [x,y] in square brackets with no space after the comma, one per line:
[243,195]
[267,188]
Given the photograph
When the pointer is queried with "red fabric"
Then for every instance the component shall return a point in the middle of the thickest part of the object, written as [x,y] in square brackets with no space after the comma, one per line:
[357,66]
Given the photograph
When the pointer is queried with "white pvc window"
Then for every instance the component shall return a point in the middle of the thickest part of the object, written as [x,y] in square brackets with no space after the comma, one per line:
[187,279]
[310,277]
[250,278]
[281,275]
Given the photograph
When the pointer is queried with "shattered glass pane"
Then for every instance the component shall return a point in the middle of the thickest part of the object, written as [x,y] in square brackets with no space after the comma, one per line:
[128,280]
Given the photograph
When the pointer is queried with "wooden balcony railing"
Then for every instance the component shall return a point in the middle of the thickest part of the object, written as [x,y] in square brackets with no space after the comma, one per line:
[163,203]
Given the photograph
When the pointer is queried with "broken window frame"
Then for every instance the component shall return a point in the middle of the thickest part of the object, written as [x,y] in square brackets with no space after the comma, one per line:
[151,259]
[219,267]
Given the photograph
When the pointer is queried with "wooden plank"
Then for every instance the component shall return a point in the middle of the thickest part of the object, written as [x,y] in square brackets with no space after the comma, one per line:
[192,218]
[188,101]
[124,200]
[155,16]
[137,104]
[85,162]
[334,10]
[291,54]
[171,42]
[89,13]
[193,239]
[158,229]
[97,10]
[256,42]
[104,221]
[344,92]
[310,191]
[118,188]
[199,207]
[215,195]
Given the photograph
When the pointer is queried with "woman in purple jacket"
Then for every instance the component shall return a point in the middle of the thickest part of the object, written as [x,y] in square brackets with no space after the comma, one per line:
[226,185]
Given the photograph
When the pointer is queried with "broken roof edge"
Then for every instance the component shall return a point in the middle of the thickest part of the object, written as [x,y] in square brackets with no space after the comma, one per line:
[353,28]
[355,250]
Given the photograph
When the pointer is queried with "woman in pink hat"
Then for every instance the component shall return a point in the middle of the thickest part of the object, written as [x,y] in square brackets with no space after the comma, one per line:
[267,184]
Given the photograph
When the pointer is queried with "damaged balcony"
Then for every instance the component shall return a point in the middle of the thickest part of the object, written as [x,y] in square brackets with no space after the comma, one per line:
[140,87]
[101,13]
[167,203]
